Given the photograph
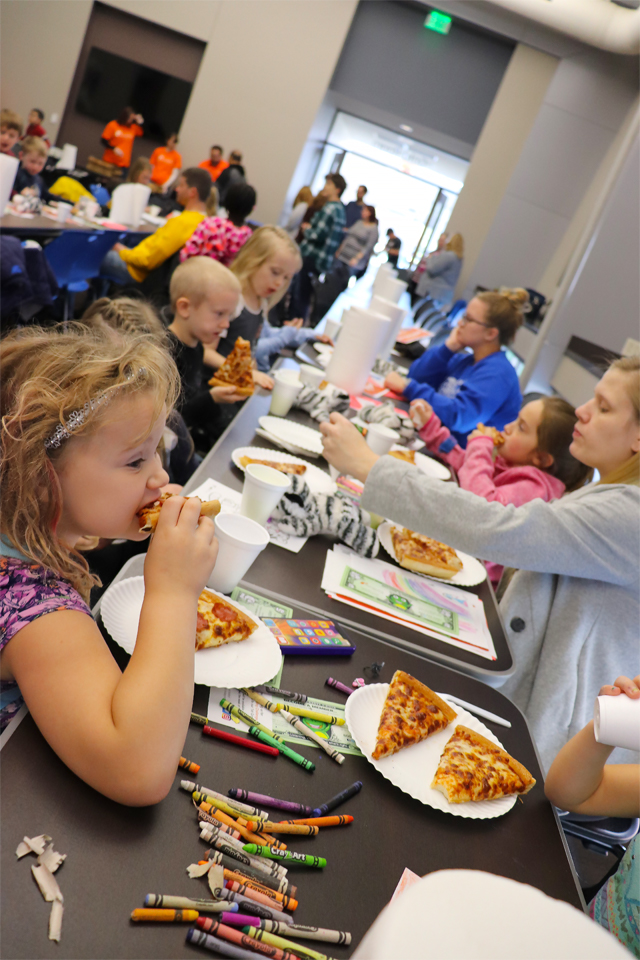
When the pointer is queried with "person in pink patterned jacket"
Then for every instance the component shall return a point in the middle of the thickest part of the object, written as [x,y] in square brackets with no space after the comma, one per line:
[221,238]
[529,460]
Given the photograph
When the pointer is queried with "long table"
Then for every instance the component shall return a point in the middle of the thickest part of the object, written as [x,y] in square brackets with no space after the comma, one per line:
[281,573]
[116,854]
[44,228]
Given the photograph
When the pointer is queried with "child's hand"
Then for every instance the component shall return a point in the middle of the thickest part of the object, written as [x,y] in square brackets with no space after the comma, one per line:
[226,394]
[482,431]
[420,412]
[323,338]
[453,341]
[262,380]
[393,381]
[622,685]
[183,549]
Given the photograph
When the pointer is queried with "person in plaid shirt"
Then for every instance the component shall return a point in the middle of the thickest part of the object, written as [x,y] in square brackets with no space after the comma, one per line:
[322,238]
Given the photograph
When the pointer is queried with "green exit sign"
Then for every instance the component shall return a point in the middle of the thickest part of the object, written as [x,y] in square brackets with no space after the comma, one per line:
[437,21]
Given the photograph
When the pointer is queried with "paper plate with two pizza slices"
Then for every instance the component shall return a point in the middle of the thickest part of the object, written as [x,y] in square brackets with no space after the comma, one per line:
[254,660]
[413,769]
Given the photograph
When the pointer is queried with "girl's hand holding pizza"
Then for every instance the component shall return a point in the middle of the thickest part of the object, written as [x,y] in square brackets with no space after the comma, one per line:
[183,550]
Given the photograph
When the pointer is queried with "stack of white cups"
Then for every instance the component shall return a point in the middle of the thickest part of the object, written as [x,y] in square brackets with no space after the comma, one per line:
[362,335]
[395,313]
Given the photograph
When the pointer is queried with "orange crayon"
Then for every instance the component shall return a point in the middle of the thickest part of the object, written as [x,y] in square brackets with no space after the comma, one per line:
[249,836]
[188,765]
[321,821]
[167,916]
[259,897]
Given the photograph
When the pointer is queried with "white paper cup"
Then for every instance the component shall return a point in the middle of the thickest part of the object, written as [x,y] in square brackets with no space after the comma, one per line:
[616,721]
[64,211]
[332,328]
[286,388]
[262,491]
[240,541]
[381,438]
[311,376]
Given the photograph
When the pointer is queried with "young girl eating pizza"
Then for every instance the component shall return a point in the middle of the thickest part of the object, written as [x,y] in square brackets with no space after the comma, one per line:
[83,414]
[530,459]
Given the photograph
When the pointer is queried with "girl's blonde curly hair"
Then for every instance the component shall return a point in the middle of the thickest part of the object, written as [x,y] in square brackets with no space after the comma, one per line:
[46,375]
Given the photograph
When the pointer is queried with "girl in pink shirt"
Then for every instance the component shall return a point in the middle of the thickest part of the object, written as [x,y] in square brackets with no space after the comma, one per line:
[219,238]
[530,459]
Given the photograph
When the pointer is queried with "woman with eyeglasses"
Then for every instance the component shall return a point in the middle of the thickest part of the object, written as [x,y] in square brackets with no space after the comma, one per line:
[464,388]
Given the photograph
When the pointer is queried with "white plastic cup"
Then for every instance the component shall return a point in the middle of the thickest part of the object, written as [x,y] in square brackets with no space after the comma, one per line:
[262,491]
[64,211]
[332,328]
[381,438]
[311,376]
[240,541]
[286,388]
[616,721]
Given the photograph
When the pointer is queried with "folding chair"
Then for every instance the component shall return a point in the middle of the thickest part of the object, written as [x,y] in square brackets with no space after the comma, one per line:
[75,257]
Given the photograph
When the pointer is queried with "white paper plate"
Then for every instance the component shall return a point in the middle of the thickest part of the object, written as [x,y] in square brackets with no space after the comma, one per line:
[244,664]
[473,572]
[413,768]
[322,347]
[324,359]
[317,480]
[293,434]
[432,468]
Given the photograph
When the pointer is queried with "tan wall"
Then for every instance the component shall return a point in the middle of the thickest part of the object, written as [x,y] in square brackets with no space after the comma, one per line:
[498,150]
[41,42]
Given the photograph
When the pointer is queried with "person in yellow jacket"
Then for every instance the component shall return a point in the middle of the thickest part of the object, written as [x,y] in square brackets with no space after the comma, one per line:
[127,264]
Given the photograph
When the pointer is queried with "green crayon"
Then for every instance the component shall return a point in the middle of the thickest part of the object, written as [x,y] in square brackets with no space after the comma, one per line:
[250,722]
[200,720]
[288,855]
[275,941]
[283,748]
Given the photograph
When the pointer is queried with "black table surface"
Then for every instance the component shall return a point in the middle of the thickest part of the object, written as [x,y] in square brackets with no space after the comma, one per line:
[284,574]
[116,855]
[40,227]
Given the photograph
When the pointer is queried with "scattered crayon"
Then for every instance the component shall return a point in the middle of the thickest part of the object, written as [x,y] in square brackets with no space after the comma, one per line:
[243,940]
[358,682]
[297,723]
[278,887]
[339,798]
[324,821]
[285,694]
[342,687]
[186,903]
[246,718]
[270,840]
[283,748]
[222,827]
[276,941]
[314,715]
[262,898]
[287,902]
[243,808]
[299,828]
[225,818]
[200,720]
[216,945]
[200,796]
[287,855]
[287,805]
[210,835]
[188,765]
[231,864]
[239,741]
[247,836]
[302,931]
[263,701]
[250,906]
[166,916]
[240,919]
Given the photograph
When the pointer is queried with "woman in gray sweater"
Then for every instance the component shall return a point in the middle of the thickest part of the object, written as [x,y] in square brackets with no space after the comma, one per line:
[572,610]
[441,271]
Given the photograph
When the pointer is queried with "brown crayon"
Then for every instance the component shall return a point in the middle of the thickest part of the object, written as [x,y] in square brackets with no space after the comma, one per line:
[188,765]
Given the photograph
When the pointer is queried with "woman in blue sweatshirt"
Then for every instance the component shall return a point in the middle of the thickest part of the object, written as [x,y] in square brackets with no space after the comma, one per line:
[466,388]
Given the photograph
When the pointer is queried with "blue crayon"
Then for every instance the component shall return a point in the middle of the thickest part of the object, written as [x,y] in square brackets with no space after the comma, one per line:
[216,945]
[339,798]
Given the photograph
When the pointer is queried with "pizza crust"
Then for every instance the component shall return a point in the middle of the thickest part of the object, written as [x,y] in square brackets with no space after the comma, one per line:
[407,456]
[473,768]
[295,469]
[411,713]
[148,516]
[220,622]
[424,555]
[245,391]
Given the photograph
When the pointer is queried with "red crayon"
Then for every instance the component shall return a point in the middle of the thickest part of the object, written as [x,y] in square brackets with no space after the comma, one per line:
[236,936]
[240,741]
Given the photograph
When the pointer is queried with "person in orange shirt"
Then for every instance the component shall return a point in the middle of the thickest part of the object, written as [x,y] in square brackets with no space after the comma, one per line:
[215,164]
[166,163]
[118,137]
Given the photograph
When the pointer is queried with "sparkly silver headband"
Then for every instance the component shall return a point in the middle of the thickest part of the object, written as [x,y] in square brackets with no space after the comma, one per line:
[77,417]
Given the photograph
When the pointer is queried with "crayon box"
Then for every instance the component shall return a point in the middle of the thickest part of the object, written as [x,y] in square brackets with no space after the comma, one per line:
[310,637]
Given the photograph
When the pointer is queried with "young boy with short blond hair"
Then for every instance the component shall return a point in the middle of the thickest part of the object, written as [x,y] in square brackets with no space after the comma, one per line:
[33,156]
[204,297]
[10,131]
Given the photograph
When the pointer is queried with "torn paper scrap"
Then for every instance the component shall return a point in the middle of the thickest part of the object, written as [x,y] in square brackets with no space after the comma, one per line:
[47,882]
[198,869]
[55,920]
[215,878]
[32,845]
[50,858]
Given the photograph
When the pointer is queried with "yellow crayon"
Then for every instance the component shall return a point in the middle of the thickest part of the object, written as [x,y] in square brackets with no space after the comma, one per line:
[309,830]
[314,714]
[171,916]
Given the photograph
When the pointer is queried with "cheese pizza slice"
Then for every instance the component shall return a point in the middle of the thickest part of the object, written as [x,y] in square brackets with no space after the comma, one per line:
[237,370]
[220,622]
[408,456]
[148,516]
[424,555]
[411,713]
[474,768]
[295,469]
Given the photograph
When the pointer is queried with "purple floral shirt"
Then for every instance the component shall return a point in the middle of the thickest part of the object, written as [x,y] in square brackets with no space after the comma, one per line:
[28,591]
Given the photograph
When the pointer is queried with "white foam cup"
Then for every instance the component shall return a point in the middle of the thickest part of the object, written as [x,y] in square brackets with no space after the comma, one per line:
[616,721]
[64,211]
[286,388]
[332,328]
[381,438]
[263,488]
[240,541]
[311,376]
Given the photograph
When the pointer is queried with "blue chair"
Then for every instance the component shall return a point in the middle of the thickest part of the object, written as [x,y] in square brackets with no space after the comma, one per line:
[100,193]
[75,257]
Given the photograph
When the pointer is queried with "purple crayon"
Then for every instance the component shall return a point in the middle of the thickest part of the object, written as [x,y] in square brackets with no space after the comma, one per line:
[240,920]
[342,687]
[236,794]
